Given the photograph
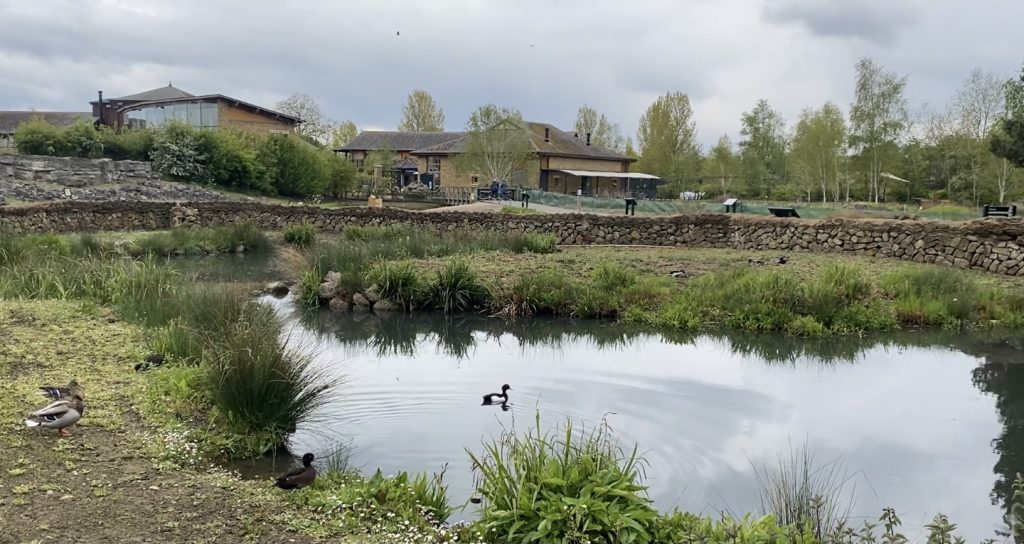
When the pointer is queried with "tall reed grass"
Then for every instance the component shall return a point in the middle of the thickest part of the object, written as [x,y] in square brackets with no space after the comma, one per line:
[562,486]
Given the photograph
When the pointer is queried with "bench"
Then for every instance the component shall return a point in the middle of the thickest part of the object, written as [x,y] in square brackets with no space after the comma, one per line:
[784,212]
[989,210]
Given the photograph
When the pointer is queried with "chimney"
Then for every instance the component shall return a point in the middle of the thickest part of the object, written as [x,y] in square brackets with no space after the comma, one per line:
[588,138]
[547,135]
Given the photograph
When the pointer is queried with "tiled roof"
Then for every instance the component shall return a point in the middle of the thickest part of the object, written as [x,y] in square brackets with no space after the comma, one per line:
[375,140]
[565,144]
[163,93]
[9,120]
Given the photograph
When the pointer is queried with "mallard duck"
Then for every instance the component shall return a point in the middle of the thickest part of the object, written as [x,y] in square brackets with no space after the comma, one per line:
[300,477]
[58,415]
[491,398]
[62,393]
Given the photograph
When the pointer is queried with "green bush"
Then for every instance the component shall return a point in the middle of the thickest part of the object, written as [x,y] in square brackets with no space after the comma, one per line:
[178,153]
[37,137]
[128,144]
[566,487]
[300,235]
[232,161]
[456,288]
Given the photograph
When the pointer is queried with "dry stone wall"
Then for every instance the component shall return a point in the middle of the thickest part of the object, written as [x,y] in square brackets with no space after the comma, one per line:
[73,171]
[995,244]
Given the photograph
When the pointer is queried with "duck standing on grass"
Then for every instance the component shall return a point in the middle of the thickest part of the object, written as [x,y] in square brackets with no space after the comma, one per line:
[300,477]
[494,398]
[58,415]
[62,393]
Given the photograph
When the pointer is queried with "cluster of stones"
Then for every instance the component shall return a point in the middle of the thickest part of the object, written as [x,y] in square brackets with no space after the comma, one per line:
[184,217]
[333,295]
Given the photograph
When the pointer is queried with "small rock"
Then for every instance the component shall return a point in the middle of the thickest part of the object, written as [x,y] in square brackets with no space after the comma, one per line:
[338,304]
[240,248]
[332,277]
[386,306]
[678,274]
[277,289]
[360,301]
[372,294]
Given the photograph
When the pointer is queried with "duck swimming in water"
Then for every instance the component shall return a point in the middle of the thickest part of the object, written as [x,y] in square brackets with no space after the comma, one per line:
[494,398]
[300,477]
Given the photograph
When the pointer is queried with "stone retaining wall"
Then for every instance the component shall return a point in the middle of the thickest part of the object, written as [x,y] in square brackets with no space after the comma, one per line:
[73,171]
[994,244]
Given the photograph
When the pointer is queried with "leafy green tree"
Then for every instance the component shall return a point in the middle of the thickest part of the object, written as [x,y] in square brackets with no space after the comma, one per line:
[722,164]
[1008,141]
[421,114]
[630,150]
[878,120]
[342,134]
[817,151]
[763,149]
[602,132]
[232,160]
[496,144]
[666,137]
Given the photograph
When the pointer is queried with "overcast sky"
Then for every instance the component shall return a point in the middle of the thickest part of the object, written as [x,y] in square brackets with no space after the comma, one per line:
[545,57]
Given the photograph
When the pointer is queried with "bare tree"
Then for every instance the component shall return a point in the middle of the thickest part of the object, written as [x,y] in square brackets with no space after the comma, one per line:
[421,114]
[497,145]
[979,103]
[315,124]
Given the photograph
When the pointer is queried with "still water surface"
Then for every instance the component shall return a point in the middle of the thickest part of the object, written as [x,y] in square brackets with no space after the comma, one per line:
[919,421]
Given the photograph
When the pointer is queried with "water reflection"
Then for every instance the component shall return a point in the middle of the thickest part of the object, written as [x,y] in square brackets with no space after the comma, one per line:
[914,414]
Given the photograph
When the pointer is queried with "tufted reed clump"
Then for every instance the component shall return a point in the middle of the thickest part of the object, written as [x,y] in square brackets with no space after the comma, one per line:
[261,386]
[567,485]
[457,289]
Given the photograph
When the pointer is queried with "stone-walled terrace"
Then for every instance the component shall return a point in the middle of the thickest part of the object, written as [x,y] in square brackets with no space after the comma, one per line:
[993,245]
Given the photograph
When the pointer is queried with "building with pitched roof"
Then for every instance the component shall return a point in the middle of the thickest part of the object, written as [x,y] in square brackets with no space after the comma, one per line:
[563,162]
[10,120]
[157,107]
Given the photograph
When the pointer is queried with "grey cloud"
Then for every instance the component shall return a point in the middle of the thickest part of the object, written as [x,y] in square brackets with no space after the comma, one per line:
[875,21]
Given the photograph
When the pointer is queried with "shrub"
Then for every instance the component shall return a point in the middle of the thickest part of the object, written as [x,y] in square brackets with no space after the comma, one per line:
[178,154]
[397,282]
[37,137]
[566,487]
[300,235]
[545,293]
[231,161]
[128,144]
[296,168]
[457,289]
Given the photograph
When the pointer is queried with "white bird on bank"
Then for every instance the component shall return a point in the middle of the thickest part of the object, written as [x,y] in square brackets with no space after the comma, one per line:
[58,415]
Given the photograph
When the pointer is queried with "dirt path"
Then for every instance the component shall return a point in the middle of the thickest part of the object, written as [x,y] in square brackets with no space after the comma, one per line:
[102,484]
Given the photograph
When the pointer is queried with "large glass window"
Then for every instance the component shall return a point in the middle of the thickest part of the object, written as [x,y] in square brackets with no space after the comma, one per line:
[196,114]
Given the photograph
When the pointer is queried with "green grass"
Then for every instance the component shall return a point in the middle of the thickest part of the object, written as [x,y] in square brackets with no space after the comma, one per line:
[255,389]
[397,282]
[299,235]
[562,486]
[518,210]
[456,289]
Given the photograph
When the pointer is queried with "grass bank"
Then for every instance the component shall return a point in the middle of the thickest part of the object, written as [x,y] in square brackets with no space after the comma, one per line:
[132,469]
[228,371]
[678,289]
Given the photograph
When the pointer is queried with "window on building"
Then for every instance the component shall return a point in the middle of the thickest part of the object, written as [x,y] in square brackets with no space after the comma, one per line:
[358,163]
[434,166]
[475,180]
[198,115]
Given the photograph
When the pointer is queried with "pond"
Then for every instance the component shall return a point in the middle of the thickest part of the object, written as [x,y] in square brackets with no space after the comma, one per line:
[922,422]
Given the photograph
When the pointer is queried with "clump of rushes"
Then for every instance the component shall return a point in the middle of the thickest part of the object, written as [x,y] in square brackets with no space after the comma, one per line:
[300,235]
[456,288]
[397,282]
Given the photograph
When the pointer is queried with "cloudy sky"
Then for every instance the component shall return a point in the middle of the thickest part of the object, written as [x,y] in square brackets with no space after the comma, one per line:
[545,57]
